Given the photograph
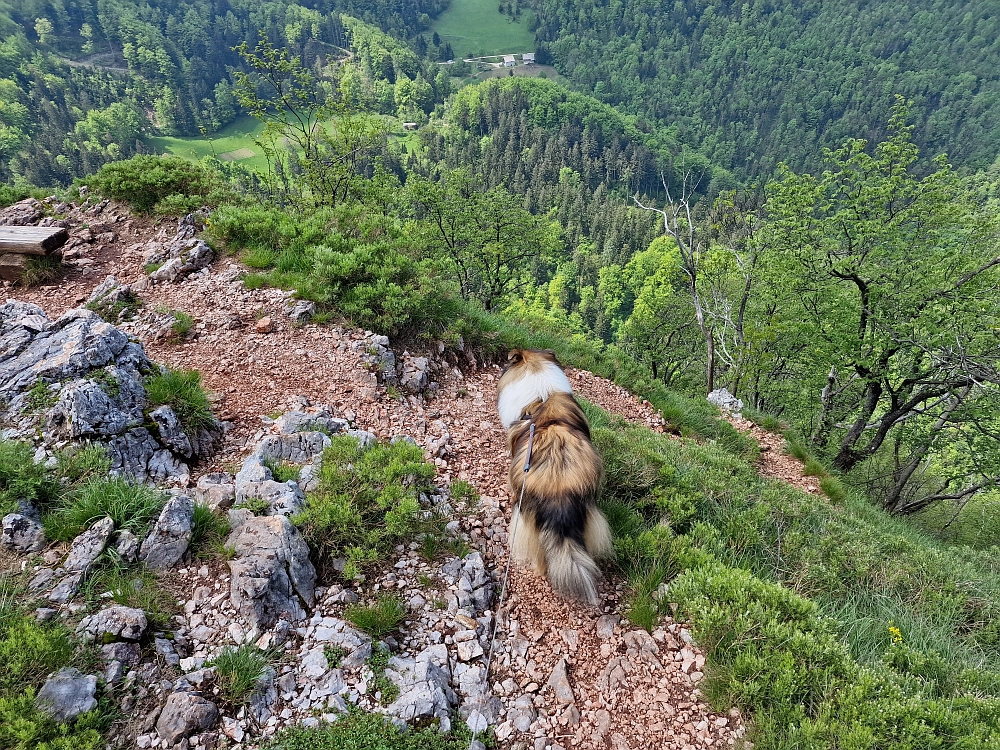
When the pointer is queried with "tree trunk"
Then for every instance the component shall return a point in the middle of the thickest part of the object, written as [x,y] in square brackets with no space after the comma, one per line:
[847,457]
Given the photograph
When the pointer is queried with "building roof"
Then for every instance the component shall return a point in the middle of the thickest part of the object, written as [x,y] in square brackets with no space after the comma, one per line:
[508,59]
[528,57]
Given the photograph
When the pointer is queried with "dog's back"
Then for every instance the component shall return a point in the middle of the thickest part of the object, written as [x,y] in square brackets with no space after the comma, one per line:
[558,529]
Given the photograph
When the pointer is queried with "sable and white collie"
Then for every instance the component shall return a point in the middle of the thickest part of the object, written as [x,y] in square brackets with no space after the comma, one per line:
[558,528]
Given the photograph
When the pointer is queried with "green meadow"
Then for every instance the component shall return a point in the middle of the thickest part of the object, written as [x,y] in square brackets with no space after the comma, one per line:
[477,26]
[235,142]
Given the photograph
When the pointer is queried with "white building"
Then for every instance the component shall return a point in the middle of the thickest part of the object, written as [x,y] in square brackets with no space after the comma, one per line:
[508,61]
[528,58]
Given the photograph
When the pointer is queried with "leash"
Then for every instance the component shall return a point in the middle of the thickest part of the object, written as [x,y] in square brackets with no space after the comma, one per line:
[506,575]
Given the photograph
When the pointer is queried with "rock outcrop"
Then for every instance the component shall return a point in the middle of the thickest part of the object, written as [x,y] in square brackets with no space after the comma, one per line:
[79,378]
[67,694]
[182,255]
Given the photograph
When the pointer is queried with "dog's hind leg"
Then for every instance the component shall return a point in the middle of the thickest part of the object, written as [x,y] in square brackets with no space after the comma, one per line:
[597,535]
[526,547]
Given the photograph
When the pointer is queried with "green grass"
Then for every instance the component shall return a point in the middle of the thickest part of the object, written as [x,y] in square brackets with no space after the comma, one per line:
[379,660]
[135,587]
[283,471]
[208,532]
[237,672]
[29,651]
[237,136]
[21,478]
[132,506]
[358,730]
[181,390]
[366,502]
[792,597]
[477,26]
[378,619]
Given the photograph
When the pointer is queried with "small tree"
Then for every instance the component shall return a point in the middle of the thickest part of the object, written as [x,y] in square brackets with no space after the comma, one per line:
[893,279]
[486,237]
[315,143]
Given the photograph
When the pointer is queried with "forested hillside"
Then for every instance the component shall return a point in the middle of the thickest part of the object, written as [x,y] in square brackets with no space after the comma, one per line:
[83,81]
[753,84]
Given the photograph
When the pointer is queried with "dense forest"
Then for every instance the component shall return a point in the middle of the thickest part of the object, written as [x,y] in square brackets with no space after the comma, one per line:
[753,84]
[82,82]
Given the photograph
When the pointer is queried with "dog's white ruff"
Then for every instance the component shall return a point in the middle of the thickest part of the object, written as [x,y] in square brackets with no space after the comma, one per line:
[537,385]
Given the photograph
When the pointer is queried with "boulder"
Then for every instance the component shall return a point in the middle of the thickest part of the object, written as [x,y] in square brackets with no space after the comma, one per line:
[183,715]
[182,255]
[88,546]
[416,373]
[80,378]
[423,682]
[726,401]
[67,694]
[171,431]
[127,546]
[300,310]
[21,214]
[169,539]
[271,573]
[22,533]
[112,624]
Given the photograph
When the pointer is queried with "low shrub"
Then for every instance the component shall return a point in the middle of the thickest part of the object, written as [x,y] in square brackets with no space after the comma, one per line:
[378,619]
[131,505]
[40,269]
[29,652]
[358,730]
[166,185]
[366,503]
[361,264]
[181,390]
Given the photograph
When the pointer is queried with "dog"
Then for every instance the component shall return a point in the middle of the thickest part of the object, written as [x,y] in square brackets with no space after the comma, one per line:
[557,529]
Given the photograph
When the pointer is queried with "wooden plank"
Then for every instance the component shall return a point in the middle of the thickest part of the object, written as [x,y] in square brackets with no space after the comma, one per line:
[32,240]
[12,267]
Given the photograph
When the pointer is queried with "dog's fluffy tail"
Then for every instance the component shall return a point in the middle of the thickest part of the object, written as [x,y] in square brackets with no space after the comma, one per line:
[571,570]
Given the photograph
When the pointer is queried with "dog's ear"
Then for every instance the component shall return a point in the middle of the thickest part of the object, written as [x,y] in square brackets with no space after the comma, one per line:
[514,356]
[550,353]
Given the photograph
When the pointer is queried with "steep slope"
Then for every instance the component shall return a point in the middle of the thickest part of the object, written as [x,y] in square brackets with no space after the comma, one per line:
[566,675]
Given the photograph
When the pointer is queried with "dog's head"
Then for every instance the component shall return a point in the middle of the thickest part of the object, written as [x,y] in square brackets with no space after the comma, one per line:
[530,360]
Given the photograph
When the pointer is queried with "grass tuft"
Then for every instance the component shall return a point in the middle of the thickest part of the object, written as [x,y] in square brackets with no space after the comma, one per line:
[379,619]
[237,672]
[208,533]
[132,506]
[181,390]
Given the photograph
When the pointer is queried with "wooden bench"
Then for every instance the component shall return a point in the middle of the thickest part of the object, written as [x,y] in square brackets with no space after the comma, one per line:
[32,240]
[19,244]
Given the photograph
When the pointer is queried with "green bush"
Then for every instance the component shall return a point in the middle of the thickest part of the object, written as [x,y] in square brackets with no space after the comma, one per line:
[360,264]
[363,731]
[367,501]
[164,184]
[132,506]
[181,390]
[378,619]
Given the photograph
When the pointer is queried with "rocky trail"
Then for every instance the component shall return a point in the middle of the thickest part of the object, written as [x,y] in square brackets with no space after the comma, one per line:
[564,676]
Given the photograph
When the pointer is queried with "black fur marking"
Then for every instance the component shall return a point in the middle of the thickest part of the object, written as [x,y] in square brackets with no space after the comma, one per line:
[566,519]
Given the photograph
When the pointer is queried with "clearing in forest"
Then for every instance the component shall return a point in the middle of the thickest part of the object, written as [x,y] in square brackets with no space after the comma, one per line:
[477,27]
[235,142]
